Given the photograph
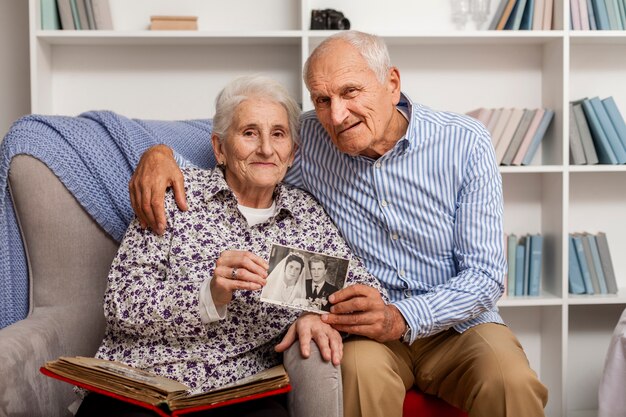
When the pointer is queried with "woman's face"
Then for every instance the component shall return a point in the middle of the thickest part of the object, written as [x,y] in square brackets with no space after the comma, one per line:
[258,148]
[292,270]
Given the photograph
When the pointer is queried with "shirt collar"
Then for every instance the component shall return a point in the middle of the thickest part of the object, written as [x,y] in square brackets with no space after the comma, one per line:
[284,196]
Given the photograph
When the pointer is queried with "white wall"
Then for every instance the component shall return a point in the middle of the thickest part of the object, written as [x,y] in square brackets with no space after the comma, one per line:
[14,69]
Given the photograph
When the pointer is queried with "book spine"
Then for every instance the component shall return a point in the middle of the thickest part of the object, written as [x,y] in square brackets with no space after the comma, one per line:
[607,127]
[582,263]
[539,134]
[607,263]
[511,255]
[575,142]
[603,148]
[576,284]
[536,250]
[596,263]
[585,135]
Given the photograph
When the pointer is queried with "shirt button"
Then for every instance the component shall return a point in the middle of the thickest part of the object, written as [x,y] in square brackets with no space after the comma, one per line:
[394,236]
[407,293]
[378,164]
[384,203]
[402,273]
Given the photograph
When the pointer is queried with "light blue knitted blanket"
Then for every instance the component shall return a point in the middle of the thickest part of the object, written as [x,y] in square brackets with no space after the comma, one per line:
[94,155]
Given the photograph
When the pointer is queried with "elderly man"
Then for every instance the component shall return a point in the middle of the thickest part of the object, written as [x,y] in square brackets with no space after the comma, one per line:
[418,196]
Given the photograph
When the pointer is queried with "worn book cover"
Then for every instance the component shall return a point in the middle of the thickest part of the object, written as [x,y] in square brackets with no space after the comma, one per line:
[164,396]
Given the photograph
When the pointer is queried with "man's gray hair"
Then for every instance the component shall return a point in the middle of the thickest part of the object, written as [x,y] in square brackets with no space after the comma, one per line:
[253,86]
[371,47]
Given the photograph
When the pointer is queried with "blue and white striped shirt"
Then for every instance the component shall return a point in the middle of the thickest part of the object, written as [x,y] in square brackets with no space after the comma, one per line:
[425,218]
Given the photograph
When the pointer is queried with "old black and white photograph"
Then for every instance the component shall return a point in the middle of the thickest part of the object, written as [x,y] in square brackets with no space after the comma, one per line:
[303,279]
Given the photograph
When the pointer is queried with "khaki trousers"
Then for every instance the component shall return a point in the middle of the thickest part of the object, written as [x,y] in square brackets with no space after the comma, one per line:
[483,371]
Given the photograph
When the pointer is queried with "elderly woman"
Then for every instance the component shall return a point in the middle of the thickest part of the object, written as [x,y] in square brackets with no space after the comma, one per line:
[186,304]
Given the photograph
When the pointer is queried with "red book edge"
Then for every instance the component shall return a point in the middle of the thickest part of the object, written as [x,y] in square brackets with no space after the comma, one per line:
[158,410]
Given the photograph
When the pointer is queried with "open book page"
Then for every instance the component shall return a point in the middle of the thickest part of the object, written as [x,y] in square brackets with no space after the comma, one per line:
[264,381]
[163,393]
[117,378]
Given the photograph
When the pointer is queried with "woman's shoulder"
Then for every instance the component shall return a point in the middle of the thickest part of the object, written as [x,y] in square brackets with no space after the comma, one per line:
[196,182]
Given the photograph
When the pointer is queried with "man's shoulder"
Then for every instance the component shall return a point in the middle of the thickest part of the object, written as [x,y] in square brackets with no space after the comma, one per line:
[446,118]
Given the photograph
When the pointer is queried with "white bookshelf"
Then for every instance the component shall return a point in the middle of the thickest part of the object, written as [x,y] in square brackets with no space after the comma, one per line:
[176,75]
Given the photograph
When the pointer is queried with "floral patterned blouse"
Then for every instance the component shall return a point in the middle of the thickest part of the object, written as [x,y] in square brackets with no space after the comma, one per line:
[151,302]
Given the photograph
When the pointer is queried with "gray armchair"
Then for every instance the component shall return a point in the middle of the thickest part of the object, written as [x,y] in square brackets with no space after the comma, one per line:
[69,256]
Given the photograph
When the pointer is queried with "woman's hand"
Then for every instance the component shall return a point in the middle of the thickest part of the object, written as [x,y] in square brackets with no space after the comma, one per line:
[237,270]
[310,326]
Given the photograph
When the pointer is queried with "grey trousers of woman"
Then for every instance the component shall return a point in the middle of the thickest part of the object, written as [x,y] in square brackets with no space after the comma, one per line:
[316,384]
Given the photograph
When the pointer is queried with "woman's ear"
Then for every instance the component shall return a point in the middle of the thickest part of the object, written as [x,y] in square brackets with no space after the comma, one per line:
[293,154]
[217,149]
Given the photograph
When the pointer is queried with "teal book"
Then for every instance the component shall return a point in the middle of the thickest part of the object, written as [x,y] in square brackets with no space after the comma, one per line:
[607,263]
[582,263]
[590,265]
[515,19]
[597,265]
[534,276]
[601,13]
[613,12]
[527,256]
[603,148]
[576,284]
[611,134]
[527,17]
[519,268]
[75,16]
[622,12]
[511,248]
[539,134]
[50,15]
[616,118]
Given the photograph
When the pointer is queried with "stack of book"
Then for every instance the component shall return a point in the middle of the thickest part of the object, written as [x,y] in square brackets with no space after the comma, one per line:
[523,15]
[76,15]
[524,264]
[590,265]
[516,133]
[597,132]
[598,14]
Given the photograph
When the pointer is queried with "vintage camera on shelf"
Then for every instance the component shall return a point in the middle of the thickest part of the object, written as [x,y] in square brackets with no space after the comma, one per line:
[328,19]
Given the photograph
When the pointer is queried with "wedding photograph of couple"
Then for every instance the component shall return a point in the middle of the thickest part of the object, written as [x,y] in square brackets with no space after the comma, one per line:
[302,279]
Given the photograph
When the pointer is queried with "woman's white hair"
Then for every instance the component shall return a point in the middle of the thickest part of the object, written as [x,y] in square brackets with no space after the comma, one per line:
[371,47]
[251,86]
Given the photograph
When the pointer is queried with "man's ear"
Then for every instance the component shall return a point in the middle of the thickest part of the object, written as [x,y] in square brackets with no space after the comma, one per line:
[217,148]
[394,85]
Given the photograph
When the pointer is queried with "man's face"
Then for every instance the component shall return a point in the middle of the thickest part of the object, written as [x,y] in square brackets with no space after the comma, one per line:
[356,110]
[318,270]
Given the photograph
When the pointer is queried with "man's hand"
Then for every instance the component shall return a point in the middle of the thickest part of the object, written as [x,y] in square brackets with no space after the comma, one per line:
[310,326]
[359,309]
[156,172]
[237,270]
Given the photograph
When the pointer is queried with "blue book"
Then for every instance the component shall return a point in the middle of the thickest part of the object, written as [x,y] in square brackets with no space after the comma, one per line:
[527,17]
[538,136]
[603,148]
[616,118]
[582,263]
[592,16]
[519,268]
[576,284]
[602,15]
[511,247]
[613,12]
[515,19]
[534,278]
[595,256]
[605,122]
